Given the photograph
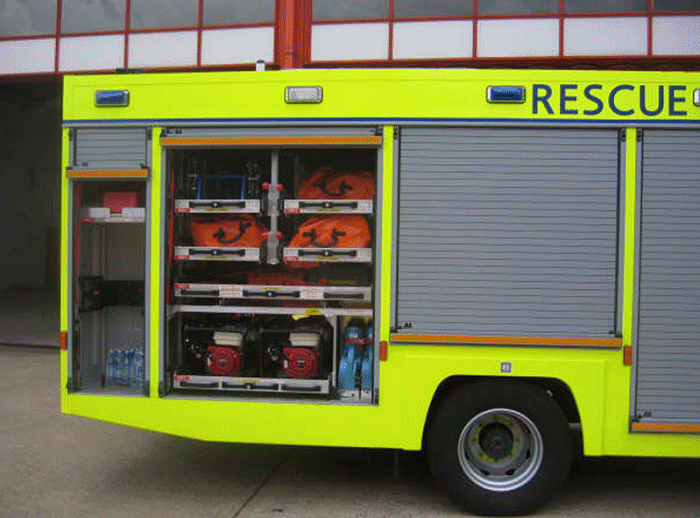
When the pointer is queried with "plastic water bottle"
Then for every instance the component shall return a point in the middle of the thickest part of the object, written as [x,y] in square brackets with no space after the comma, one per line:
[111,365]
[138,368]
[122,367]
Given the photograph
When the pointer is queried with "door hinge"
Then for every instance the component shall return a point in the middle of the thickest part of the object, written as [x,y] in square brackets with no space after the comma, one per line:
[149,133]
[622,135]
[640,133]
[397,132]
[161,389]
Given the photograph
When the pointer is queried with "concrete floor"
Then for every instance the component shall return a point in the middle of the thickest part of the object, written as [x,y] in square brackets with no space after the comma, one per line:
[52,465]
[29,317]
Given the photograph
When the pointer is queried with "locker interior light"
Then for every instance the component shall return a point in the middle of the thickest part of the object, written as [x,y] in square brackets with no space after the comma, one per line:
[505,94]
[696,97]
[303,94]
[112,98]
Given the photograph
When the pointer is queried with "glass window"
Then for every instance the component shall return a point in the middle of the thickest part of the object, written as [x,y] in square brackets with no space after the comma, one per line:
[518,6]
[26,17]
[605,6]
[156,14]
[350,9]
[92,15]
[676,5]
[230,12]
[420,8]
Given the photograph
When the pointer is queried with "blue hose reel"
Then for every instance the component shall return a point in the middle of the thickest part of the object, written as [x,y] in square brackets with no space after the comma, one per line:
[355,368]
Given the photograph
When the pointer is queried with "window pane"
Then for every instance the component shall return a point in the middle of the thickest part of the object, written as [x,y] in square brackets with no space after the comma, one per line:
[90,15]
[229,12]
[605,6]
[350,9]
[518,6]
[677,5]
[25,17]
[419,8]
[156,14]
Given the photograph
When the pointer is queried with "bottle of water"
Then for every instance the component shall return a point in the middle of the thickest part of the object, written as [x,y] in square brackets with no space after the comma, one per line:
[122,367]
[111,366]
[138,368]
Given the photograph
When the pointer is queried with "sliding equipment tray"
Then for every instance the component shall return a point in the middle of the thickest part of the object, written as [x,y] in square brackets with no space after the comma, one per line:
[264,385]
[270,310]
[203,253]
[328,206]
[246,291]
[222,206]
[339,255]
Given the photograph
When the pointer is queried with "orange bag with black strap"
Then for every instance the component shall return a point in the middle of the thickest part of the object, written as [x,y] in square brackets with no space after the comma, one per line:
[239,230]
[327,184]
[332,232]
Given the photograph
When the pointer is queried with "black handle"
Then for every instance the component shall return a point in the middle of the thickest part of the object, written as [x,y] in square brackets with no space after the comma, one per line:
[329,295]
[217,204]
[271,293]
[328,253]
[343,188]
[327,204]
[301,389]
[220,234]
[212,293]
[217,251]
[334,238]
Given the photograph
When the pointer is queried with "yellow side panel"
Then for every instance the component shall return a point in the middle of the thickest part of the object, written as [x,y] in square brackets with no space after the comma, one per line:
[155,274]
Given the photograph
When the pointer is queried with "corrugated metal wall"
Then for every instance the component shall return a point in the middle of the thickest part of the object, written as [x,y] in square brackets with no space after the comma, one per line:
[668,352]
[508,231]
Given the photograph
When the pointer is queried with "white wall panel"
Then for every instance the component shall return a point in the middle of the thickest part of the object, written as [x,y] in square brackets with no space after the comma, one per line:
[514,38]
[91,53]
[345,42]
[676,35]
[605,36]
[27,56]
[443,39]
[238,45]
[163,49]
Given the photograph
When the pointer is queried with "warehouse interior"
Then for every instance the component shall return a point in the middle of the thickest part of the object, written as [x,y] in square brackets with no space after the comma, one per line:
[30,137]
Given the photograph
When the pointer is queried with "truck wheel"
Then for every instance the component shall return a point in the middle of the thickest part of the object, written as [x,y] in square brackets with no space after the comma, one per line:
[500,448]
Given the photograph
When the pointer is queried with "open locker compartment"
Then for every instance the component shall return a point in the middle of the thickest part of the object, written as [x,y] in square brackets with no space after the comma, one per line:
[108,325]
[271,319]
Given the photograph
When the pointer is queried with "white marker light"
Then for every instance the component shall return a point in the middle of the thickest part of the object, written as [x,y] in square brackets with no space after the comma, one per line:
[303,94]
[696,97]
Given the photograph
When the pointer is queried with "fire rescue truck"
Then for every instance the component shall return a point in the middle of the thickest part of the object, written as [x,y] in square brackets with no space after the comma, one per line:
[476,263]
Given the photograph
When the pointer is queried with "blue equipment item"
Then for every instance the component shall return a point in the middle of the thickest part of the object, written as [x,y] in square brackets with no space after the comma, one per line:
[351,357]
[112,366]
[137,380]
[367,359]
[221,185]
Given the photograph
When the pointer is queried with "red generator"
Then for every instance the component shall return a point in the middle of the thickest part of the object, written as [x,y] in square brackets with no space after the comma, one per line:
[225,358]
[302,358]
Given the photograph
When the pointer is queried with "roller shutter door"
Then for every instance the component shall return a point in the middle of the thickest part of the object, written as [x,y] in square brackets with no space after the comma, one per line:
[507,231]
[110,148]
[668,352]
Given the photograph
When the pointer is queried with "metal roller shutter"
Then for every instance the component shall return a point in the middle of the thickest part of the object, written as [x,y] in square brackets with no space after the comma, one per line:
[110,148]
[507,231]
[668,351]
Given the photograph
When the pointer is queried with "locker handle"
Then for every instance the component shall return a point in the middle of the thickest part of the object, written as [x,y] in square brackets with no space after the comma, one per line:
[327,204]
[271,293]
[217,204]
[212,384]
[218,251]
[212,293]
[330,295]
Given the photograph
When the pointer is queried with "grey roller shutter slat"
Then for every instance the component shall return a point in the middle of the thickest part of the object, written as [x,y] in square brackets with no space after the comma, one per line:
[497,238]
[668,349]
[107,148]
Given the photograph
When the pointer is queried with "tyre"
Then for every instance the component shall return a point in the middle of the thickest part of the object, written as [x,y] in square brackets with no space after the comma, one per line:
[500,448]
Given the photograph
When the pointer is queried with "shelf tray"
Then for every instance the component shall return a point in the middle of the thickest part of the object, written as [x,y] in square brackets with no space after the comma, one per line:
[239,384]
[246,291]
[330,255]
[218,206]
[270,310]
[328,206]
[203,253]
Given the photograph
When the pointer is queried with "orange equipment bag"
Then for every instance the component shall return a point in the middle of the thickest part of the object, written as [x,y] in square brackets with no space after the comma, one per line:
[332,232]
[241,230]
[325,184]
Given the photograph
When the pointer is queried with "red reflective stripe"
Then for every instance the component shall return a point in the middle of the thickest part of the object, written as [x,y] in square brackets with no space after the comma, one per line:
[627,355]
[383,350]
[64,340]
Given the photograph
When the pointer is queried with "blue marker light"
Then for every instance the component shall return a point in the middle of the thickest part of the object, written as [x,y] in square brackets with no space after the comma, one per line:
[505,94]
[112,98]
